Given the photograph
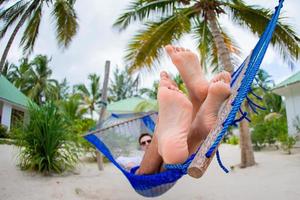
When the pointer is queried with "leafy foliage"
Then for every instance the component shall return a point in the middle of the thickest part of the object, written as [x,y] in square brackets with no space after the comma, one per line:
[3,131]
[168,20]
[91,95]
[33,78]
[47,144]
[122,85]
[268,130]
[22,11]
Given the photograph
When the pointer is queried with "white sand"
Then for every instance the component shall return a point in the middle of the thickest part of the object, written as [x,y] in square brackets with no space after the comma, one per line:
[276,177]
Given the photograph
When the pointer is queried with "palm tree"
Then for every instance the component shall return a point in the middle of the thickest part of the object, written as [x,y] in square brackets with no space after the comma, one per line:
[150,92]
[167,21]
[72,107]
[90,97]
[41,87]
[19,75]
[122,85]
[14,15]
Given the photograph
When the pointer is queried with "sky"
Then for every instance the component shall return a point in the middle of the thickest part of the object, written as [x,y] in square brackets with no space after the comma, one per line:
[96,42]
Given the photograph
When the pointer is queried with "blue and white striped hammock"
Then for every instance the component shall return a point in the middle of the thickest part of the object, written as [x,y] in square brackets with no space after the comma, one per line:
[157,184]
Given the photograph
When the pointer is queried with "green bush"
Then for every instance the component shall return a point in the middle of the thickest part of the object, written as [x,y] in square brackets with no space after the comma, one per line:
[79,128]
[234,140]
[3,131]
[47,144]
[268,131]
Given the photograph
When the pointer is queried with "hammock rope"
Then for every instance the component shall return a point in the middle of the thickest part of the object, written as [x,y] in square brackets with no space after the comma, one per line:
[157,184]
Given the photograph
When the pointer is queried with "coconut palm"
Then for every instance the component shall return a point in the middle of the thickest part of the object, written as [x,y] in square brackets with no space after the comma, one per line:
[167,21]
[41,86]
[122,85]
[15,14]
[72,107]
[90,97]
[19,75]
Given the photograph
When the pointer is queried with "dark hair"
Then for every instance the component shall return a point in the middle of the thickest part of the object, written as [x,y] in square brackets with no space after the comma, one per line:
[142,135]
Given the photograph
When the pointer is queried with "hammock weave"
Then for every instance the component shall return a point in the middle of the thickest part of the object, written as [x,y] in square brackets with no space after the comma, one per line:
[157,184]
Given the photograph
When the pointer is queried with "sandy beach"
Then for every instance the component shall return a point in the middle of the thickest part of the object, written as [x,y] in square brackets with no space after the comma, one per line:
[275,177]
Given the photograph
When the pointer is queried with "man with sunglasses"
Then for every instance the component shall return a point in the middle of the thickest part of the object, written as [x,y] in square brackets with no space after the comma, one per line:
[128,163]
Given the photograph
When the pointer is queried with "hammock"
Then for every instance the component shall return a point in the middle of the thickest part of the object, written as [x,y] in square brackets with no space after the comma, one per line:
[157,184]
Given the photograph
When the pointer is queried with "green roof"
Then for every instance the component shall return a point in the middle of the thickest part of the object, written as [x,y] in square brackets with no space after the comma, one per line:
[10,93]
[291,80]
[127,105]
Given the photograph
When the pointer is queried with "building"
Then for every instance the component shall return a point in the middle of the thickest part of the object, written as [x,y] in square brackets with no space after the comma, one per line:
[290,90]
[13,104]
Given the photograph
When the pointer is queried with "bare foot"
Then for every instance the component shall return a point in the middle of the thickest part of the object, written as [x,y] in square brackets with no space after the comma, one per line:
[218,92]
[175,118]
[191,72]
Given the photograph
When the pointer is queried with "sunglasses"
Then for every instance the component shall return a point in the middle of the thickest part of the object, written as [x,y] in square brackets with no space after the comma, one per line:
[145,142]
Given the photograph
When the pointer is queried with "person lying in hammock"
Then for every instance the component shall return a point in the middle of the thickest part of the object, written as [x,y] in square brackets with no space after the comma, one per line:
[183,123]
[128,163]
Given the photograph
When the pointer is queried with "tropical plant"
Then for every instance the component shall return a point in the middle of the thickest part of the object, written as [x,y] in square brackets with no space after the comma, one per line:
[41,87]
[150,92]
[3,131]
[72,107]
[46,141]
[233,139]
[167,21]
[268,130]
[90,97]
[19,75]
[14,14]
[122,85]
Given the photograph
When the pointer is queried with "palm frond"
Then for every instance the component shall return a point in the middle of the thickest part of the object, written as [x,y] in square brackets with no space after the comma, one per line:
[139,10]
[82,88]
[31,32]
[203,36]
[66,22]
[285,39]
[10,15]
[146,47]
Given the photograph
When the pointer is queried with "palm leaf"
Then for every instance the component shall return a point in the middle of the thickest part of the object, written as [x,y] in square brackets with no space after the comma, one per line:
[11,14]
[140,10]
[32,30]
[284,39]
[146,46]
[66,21]
[207,49]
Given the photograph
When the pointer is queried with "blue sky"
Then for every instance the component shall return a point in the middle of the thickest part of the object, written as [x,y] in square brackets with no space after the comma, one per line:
[97,42]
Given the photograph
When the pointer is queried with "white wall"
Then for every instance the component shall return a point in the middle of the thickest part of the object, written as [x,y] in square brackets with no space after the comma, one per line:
[292,100]
[6,115]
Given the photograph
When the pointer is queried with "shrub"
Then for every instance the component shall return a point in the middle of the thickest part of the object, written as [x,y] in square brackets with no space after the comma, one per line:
[47,144]
[268,131]
[3,131]
[234,140]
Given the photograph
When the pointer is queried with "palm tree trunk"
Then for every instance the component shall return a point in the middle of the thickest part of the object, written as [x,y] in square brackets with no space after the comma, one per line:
[102,110]
[14,33]
[247,155]
[10,41]
[223,53]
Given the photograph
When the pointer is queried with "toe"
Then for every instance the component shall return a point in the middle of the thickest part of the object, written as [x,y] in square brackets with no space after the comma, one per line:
[170,49]
[164,74]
